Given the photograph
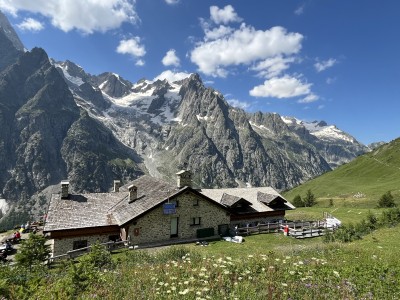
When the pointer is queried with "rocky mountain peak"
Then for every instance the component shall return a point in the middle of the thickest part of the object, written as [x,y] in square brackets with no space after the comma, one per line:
[113,85]
[9,31]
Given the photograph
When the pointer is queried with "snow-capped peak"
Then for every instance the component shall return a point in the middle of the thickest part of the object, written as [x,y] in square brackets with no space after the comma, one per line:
[64,66]
[320,129]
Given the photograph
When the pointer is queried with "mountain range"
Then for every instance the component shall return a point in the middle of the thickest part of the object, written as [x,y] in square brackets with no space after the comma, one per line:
[59,122]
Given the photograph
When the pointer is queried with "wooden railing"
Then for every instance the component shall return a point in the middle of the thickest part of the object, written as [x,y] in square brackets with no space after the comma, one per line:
[297,229]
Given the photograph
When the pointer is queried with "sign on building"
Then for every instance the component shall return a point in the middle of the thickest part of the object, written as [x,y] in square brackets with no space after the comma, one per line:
[169,208]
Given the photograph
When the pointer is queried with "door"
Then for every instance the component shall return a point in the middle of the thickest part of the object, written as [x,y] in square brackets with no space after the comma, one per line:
[174,226]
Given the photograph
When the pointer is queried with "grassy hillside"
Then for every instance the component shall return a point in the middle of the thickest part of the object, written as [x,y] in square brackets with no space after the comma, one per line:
[359,183]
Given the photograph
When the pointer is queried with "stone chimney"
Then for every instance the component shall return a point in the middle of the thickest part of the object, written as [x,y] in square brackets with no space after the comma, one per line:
[117,185]
[184,178]
[64,189]
[132,193]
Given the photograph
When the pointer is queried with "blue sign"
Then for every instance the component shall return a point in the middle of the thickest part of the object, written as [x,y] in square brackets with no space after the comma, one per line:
[169,209]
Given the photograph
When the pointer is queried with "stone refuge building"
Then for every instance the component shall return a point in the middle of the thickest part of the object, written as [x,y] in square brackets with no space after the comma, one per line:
[150,210]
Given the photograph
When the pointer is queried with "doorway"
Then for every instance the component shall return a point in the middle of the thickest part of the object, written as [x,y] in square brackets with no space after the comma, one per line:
[174,226]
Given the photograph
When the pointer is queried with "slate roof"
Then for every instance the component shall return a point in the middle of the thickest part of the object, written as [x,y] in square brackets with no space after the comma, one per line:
[151,192]
[230,200]
[267,198]
[82,211]
[250,194]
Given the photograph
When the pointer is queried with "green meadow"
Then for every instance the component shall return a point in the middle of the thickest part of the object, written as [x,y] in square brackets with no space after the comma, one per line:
[264,266]
[359,183]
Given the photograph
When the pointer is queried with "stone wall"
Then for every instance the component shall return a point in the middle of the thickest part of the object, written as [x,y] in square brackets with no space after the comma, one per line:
[156,226]
[62,246]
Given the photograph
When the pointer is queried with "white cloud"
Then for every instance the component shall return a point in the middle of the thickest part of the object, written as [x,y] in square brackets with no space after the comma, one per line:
[172,76]
[170,59]
[321,106]
[239,104]
[224,15]
[272,67]
[132,47]
[281,87]
[300,10]
[323,65]
[86,16]
[245,45]
[309,98]
[140,63]
[172,2]
[330,80]
[30,24]
[217,33]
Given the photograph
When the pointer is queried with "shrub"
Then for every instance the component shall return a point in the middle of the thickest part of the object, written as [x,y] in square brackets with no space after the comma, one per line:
[386,200]
[297,201]
[33,251]
[309,200]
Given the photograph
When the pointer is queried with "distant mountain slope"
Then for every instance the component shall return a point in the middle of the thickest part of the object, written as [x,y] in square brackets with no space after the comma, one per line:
[368,176]
[333,144]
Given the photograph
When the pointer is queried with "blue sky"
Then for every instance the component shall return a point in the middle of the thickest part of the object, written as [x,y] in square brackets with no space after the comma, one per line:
[333,60]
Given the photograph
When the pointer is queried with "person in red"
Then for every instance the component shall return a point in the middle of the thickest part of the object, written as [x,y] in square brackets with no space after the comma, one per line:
[17,236]
[286,230]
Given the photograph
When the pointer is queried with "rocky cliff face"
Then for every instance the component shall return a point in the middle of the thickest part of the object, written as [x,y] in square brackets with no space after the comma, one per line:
[45,137]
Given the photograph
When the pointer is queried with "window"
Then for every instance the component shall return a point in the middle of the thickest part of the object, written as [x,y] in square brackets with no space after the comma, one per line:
[196,221]
[80,244]
[196,202]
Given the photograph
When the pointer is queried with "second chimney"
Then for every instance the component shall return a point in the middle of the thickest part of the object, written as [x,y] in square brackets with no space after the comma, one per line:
[184,178]
[64,189]
[117,185]
[132,193]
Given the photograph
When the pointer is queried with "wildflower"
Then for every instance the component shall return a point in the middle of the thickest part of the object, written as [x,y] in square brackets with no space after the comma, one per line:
[284,284]
[287,257]
[173,288]
[186,282]
[226,272]
[250,256]
[336,273]
[292,272]
[184,292]
[203,269]
[301,262]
